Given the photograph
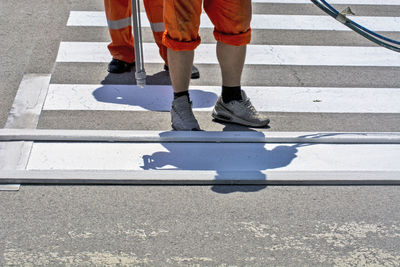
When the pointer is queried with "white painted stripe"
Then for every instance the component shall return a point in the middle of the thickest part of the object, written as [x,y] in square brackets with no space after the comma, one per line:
[14,155]
[25,113]
[306,22]
[96,19]
[272,99]
[28,102]
[256,54]
[219,157]
[263,22]
[334,2]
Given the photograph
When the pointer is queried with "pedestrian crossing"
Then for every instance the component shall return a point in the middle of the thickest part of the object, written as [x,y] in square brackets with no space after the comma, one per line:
[295,79]
[267,98]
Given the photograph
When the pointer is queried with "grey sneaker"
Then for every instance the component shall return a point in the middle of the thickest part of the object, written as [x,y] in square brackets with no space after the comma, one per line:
[240,112]
[182,117]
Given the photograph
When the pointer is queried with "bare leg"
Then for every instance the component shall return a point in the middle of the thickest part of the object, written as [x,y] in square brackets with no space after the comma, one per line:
[180,68]
[231,61]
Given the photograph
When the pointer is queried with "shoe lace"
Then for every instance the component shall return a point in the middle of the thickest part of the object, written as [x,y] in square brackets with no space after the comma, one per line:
[186,112]
[249,106]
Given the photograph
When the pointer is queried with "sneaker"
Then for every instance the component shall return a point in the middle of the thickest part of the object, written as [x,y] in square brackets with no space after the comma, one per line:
[182,117]
[195,72]
[119,66]
[240,112]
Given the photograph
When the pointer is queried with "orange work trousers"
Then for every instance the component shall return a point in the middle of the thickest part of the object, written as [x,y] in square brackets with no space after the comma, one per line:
[231,19]
[118,13]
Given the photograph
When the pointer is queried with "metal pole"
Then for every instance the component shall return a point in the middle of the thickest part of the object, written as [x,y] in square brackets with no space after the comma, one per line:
[140,73]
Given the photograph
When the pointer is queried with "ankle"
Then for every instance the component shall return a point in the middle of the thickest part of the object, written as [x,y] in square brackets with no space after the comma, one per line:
[231,93]
[179,94]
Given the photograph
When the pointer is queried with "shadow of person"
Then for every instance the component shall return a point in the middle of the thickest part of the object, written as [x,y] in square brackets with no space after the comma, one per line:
[232,127]
[154,97]
[225,189]
[128,78]
[244,161]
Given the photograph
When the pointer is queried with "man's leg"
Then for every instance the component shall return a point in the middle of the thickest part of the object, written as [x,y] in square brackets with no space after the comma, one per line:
[231,70]
[182,21]
[154,12]
[231,66]
[182,117]
[118,13]
[180,63]
[232,32]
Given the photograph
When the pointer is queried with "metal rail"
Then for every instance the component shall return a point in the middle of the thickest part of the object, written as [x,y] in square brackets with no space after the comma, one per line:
[42,135]
[184,177]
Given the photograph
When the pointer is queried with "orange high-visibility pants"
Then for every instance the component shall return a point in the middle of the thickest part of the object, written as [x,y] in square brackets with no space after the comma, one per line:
[231,19]
[118,13]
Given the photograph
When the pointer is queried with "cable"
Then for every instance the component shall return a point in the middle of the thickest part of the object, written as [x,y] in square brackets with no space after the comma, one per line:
[370,35]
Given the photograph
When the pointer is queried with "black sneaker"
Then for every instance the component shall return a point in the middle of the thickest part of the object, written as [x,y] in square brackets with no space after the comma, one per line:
[195,72]
[119,66]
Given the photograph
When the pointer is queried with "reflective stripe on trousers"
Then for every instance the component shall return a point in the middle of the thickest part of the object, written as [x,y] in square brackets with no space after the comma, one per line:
[118,13]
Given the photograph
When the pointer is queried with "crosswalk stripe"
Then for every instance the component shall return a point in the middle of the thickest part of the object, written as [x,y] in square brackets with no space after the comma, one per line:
[262,22]
[256,54]
[334,2]
[271,99]
[218,157]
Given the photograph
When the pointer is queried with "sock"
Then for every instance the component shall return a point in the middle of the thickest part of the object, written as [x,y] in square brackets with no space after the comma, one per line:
[176,95]
[231,93]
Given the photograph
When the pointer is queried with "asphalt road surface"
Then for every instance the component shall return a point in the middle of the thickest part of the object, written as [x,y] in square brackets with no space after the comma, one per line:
[204,225]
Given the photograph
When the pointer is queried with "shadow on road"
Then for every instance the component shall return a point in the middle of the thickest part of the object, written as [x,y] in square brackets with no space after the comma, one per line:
[226,159]
[157,95]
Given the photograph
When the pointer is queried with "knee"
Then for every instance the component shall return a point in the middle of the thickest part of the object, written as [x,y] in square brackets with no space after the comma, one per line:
[182,22]
[232,25]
